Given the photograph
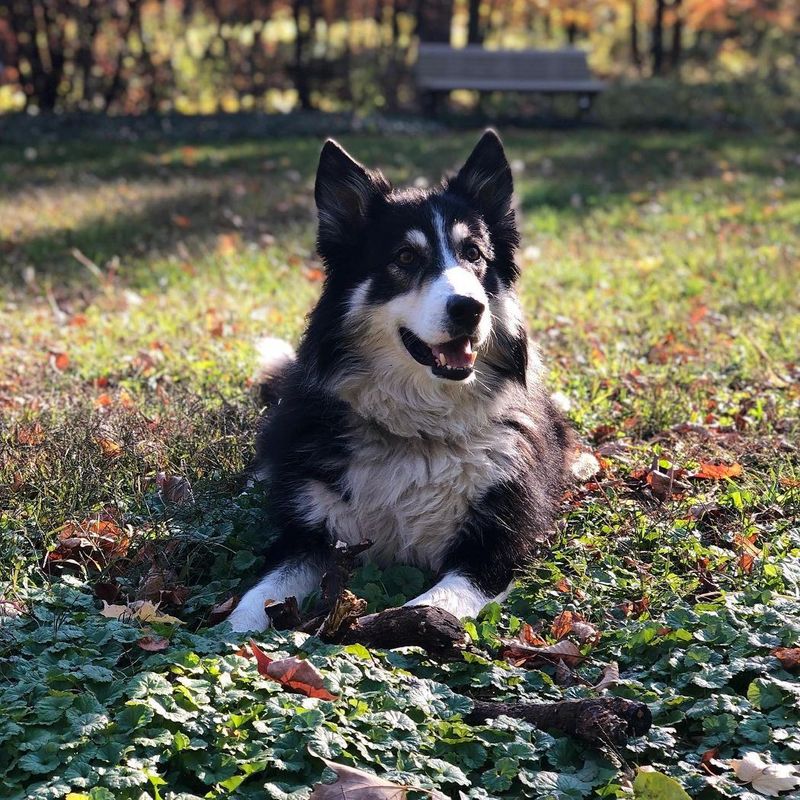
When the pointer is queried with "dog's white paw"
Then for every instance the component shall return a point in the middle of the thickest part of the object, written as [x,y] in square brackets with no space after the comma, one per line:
[249,616]
[453,593]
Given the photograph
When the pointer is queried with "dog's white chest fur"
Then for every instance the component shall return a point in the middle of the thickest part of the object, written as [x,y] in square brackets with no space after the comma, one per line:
[409,495]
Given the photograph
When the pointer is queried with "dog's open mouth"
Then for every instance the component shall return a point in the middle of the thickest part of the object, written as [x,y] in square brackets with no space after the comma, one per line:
[453,360]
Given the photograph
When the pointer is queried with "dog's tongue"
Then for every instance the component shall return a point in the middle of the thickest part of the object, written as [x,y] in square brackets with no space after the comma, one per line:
[457,353]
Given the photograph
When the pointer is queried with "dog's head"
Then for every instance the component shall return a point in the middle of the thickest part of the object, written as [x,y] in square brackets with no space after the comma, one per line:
[422,280]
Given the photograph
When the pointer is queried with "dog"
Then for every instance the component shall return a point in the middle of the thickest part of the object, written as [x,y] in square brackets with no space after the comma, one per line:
[414,412]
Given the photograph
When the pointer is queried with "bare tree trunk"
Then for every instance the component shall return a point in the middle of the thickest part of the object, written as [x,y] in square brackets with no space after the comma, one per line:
[636,54]
[657,48]
[677,37]
[301,11]
[474,31]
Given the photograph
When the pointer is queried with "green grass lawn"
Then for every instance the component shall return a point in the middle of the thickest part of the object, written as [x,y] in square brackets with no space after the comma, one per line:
[660,276]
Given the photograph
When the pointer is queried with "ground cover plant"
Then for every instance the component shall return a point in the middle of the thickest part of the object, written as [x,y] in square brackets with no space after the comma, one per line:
[659,276]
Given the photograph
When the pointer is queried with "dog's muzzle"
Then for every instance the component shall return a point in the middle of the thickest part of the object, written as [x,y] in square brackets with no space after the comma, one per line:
[454,360]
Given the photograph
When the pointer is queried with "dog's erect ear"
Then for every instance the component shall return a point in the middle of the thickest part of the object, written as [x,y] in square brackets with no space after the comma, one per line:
[344,192]
[486,178]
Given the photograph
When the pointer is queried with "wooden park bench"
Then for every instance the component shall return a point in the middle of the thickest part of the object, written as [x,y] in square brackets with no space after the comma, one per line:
[441,68]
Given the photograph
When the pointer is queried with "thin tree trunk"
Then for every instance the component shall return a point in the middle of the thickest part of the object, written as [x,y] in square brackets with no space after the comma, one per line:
[301,11]
[636,54]
[657,49]
[677,37]
[474,32]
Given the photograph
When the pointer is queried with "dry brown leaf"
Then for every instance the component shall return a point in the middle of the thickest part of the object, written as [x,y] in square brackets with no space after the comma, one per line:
[222,610]
[174,489]
[609,678]
[93,542]
[355,784]
[717,472]
[294,674]
[520,655]
[30,435]
[153,644]
[528,636]
[139,610]
[569,622]
[110,448]
[788,656]
[768,778]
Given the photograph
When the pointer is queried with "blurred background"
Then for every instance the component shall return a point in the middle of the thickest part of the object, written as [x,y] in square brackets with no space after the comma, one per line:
[668,61]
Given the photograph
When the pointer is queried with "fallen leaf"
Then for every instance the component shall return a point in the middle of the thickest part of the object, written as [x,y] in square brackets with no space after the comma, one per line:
[30,435]
[717,472]
[181,221]
[568,622]
[788,656]
[528,636]
[652,785]
[227,244]
[519,654]
[109,447]
[103,400]
[768,778]
[139,610]
[59,361]
[222,610]
[153,644]
[174,489]
[314,274]
[609,678]
[294,674]
[355,784]
[93,542]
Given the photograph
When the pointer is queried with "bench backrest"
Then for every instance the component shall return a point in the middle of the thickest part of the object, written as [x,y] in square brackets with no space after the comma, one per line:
[440,62]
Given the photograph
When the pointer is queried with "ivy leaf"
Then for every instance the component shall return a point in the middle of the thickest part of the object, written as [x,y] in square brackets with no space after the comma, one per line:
[652,785]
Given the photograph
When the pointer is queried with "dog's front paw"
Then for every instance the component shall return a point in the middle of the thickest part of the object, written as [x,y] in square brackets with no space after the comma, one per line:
[454,593]
[249,615]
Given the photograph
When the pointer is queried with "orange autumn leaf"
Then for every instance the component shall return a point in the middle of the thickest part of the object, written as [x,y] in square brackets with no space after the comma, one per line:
[294,674]
[181,221]
[103,400]
[110,448]
[788,656]
[746,562]
[718,472]
[30,435]
[529,637]
[59,361]
[562,625]
[227,244]
[789,483]
[78,321]
[314,274]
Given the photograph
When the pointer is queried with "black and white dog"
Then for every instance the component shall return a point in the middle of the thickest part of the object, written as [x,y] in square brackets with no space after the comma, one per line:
[413,413]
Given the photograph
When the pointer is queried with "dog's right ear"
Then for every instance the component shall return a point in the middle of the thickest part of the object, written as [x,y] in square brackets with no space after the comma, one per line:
[344,191]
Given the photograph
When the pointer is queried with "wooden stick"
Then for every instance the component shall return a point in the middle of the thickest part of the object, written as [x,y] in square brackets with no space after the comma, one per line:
[598,721]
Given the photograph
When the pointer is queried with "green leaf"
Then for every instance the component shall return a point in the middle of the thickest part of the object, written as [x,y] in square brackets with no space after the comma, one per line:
[657,786]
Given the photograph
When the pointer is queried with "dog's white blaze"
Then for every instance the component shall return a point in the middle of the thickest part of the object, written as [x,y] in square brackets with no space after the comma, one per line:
[459,232]
[287,581]
[449,257]
[410,495]
[417,238]
[456,594]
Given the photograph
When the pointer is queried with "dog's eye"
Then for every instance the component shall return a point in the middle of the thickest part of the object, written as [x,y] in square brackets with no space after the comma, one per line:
[471,253]
[405,257]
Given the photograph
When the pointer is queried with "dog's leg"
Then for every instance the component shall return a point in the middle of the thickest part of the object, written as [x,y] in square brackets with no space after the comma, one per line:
[498,537]
[297,579]
[455,593]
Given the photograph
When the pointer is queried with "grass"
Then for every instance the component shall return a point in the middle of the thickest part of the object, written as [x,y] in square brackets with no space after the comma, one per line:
[659,276]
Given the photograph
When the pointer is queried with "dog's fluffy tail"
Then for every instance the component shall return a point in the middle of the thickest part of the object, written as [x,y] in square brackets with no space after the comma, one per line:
[275,356]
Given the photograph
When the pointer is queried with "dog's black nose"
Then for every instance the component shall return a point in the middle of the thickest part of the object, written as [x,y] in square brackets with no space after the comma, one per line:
[464,312]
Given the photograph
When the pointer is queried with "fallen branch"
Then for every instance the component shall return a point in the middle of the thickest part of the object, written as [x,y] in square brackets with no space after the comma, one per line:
[601,721]
[435,630]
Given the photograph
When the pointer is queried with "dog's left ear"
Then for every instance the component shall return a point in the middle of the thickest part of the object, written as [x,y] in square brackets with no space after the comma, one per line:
[486,178]
[345,191]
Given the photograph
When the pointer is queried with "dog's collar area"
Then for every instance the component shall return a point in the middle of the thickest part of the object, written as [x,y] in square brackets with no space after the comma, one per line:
[453,360]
